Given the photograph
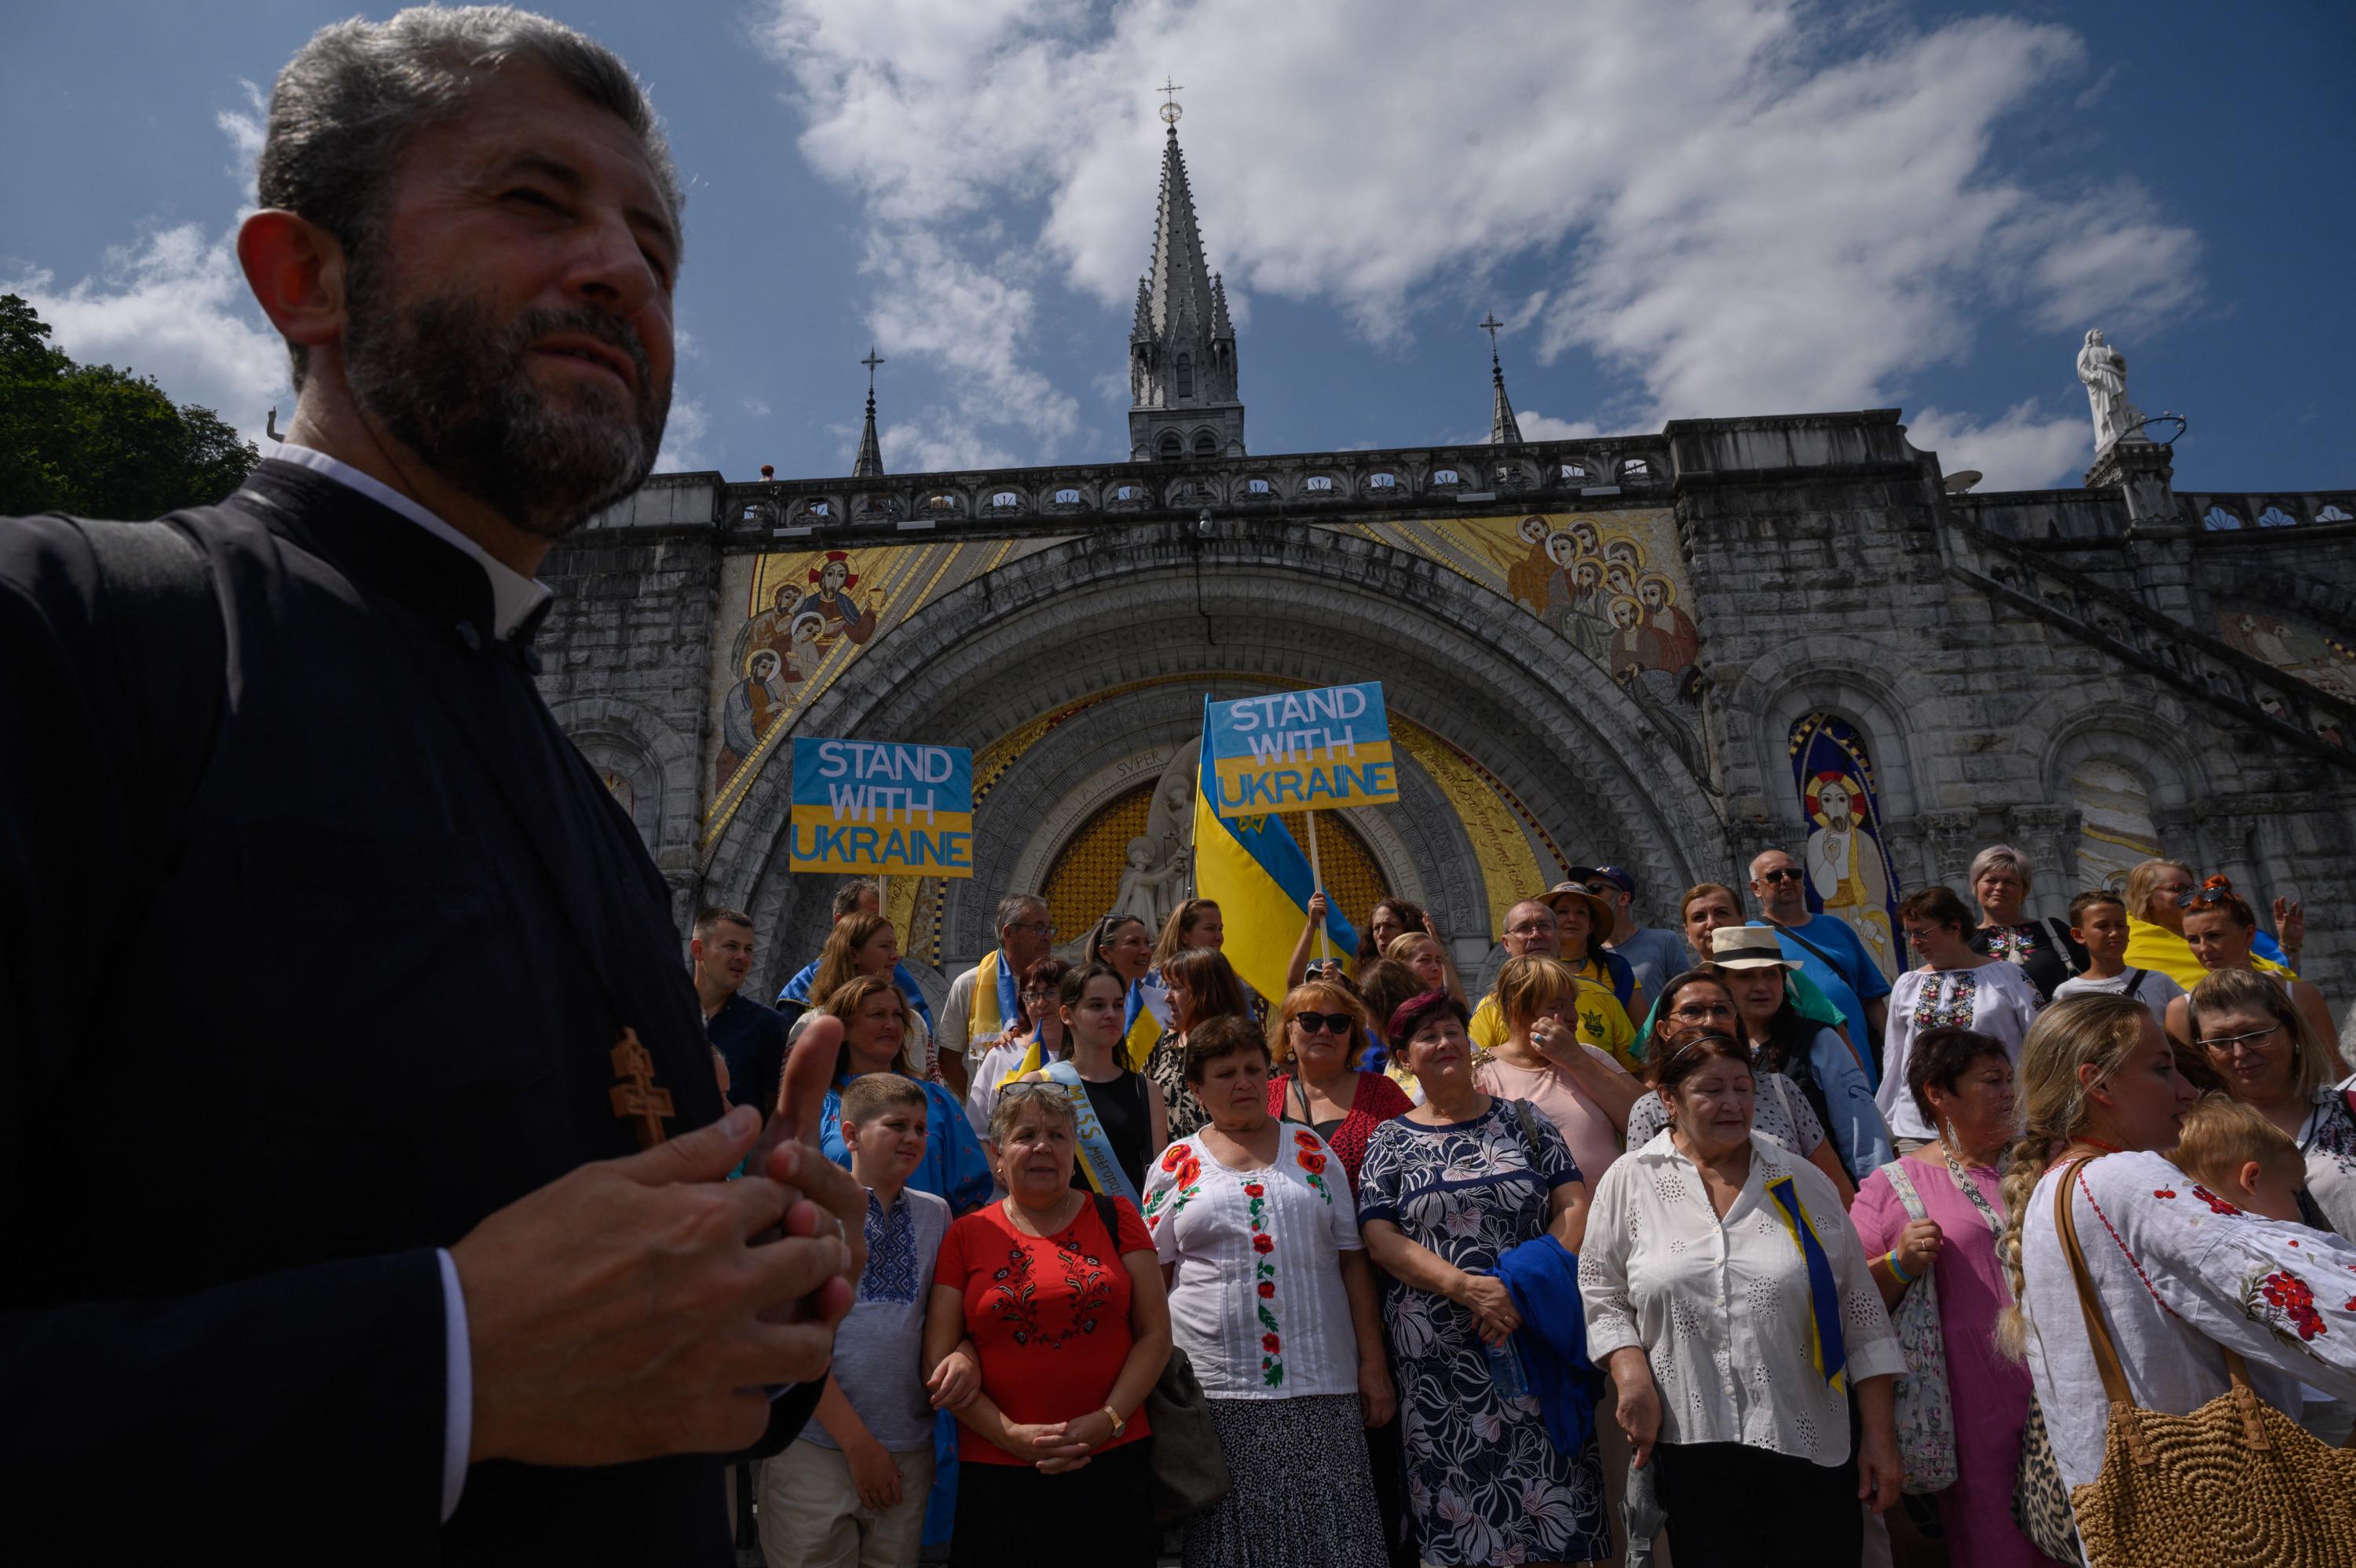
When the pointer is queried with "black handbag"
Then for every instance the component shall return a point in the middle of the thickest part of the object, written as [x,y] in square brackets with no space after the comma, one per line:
[1189,1468]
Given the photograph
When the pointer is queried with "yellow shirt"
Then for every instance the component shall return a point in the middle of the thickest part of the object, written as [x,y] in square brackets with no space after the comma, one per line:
[1603,1023]
[2155,947]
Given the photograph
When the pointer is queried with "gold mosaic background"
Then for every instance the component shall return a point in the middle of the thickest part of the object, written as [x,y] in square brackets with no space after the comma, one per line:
[1088,874]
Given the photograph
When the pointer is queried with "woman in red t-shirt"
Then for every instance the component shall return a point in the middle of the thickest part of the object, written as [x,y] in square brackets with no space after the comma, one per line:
[1071,1328]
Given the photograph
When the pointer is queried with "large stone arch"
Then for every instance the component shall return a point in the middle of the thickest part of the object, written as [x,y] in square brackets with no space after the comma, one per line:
[615,734]
[1242,604]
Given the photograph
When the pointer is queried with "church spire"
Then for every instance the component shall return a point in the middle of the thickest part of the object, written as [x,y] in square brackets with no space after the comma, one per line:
[869,463]
[1503,430]
[1182,344]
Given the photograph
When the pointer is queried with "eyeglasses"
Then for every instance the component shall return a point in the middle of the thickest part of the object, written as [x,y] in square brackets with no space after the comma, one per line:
[1785,874]
[1323,1023]
[1701,1010]
[1035,927]
[2224,1044]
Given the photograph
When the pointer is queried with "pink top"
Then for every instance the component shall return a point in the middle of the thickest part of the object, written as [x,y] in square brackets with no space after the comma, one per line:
[1593,1138]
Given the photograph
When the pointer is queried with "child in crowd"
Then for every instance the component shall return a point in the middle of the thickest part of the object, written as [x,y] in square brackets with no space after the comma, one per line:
[2098,921]
[852,1488]
[2237,1155]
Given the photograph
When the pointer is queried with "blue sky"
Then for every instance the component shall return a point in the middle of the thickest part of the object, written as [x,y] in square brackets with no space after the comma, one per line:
[1712,207]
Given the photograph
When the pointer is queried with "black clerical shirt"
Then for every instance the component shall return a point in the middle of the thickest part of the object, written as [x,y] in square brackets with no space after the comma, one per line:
[394,927]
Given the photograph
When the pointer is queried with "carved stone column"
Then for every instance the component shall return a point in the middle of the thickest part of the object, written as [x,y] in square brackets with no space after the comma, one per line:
[2048,834]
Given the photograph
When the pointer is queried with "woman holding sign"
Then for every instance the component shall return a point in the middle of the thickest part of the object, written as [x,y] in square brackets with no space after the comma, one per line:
[1117,1114]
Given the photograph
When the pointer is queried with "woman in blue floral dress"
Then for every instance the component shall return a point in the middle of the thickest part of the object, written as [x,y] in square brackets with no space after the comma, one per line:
[1446,1190]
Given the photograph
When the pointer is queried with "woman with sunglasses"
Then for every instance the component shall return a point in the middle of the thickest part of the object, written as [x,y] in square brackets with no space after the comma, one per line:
[2272,1060]
[1038,1021]
[1315,1039]
[2159,891]
[2220,928]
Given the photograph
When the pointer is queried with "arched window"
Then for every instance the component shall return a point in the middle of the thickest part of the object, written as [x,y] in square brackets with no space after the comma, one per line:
[1573,471]
[1005,500]
[1067,497]
[1382,482]
[1170,445]
[820,508]
[2333,515]
[1636,468]
[1125,493]
[1185,374]
[1318,482]
[2275,517]
[2219,518]
[1444,476]
[1256,486]
[1205,444]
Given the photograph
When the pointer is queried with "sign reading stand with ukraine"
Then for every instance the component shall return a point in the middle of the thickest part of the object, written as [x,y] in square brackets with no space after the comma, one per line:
[881,806]
[1298,750]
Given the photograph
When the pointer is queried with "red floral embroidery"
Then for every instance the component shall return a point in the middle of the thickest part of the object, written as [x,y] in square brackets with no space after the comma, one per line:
[2163,1192]
[1306,1140]
[1263,1244]
[1268,1342]
[1254,1189]
[1267,1290]
[1174,1157]
[2286,1291]
[1312,1163]
[2216,1205]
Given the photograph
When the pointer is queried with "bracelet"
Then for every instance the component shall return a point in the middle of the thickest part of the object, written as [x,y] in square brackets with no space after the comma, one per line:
[1891,1258]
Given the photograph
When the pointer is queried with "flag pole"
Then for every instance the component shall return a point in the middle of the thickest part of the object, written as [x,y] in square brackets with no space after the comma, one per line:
[1317,885]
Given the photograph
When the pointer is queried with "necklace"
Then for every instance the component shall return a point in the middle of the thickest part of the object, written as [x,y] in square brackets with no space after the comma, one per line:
[1023,1219]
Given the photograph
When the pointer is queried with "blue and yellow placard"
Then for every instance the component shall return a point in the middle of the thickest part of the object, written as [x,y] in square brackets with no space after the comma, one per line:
[881,806]
[1303,751]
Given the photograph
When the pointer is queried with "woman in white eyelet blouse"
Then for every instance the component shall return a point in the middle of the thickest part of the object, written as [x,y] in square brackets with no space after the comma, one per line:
[1716,1266]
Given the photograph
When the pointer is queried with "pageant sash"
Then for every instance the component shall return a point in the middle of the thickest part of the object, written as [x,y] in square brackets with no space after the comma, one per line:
[1825,1345]
[1103,1171]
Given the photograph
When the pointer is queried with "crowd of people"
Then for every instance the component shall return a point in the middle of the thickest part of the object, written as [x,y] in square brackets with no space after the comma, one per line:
[1666,1219]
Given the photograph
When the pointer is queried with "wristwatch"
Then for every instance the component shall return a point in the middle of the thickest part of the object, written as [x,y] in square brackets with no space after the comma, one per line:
[1118,1425]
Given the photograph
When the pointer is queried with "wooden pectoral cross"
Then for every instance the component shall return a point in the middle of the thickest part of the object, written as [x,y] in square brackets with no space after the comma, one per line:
[636,1094]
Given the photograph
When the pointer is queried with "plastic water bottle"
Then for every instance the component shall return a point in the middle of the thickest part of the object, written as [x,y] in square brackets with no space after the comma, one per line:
[1505,1373]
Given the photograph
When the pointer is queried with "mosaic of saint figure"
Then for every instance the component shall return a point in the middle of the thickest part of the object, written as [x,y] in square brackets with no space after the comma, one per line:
[1848,872]
[2294,649]
[1526,577]
[754,706]
[773,627]
[832,580]
[1674,643]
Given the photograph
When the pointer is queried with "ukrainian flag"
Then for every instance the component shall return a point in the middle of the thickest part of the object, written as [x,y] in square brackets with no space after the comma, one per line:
[1252,867]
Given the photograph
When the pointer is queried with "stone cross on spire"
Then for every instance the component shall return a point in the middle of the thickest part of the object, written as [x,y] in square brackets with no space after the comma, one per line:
[1503,430]
[1184,400]
[869,463]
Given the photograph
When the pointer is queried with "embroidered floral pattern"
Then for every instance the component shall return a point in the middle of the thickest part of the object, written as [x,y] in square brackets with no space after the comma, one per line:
[2163,1192]
[1272,1347]
[1948,997]
[1178,1160]
[1013,1297]
[891,1270]
[1312,1164]
[2281,1297]
[2216,1205]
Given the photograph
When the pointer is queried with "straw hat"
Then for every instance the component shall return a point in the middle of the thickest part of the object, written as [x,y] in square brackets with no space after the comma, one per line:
[1748,947]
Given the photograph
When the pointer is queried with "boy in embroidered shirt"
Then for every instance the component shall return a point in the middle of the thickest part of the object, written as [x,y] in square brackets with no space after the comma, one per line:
[2098,923]
[2240,1156]
[852,1488]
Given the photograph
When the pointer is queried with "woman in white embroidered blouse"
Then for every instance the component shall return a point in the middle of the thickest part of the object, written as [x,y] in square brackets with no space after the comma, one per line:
[1957,987]
[2181,1273]
[1730,1302]
[1272,1300]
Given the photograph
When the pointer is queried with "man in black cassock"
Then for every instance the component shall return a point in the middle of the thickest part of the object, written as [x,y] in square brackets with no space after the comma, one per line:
[365,1169]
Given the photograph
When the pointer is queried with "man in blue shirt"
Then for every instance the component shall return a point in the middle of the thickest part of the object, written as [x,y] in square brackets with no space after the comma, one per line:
[749,1037]
[856,897]
[1826,950]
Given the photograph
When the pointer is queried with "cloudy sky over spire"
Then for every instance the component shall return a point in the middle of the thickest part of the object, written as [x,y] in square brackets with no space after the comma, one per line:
[1709,207]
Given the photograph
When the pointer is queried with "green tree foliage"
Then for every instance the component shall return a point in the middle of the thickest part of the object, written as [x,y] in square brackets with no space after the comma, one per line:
[98,442]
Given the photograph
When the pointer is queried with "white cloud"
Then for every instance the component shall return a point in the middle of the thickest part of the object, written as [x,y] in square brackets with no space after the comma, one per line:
[245,130]
[758,408]
[683,437]
[2019,450]
[1536,426]
[174,307]
[1737,206]
[935,442]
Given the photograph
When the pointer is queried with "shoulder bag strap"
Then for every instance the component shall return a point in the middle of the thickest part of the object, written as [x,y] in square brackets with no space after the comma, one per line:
[1828,958]
[2107,1354]
[1526,1119]
[1109,1216]
[1903,1185]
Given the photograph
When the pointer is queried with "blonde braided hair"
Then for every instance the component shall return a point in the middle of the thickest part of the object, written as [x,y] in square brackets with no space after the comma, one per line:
[2092,1030]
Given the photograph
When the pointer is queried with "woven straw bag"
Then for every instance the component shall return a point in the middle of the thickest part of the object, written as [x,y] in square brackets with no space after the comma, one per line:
[2236,1484]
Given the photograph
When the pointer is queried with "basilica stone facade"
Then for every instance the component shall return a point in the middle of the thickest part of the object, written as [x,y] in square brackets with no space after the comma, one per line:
[1665,651]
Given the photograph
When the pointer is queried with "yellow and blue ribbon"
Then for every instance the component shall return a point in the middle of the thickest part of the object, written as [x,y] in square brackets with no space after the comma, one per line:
[1825,1349]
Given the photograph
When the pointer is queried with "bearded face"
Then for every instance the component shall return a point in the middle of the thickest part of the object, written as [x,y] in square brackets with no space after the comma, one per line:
[1834,801]
[831,577]
[450,380]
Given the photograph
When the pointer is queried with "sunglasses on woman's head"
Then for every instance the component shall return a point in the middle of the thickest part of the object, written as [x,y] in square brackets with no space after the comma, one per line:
[1325,1023]
[2216,890]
